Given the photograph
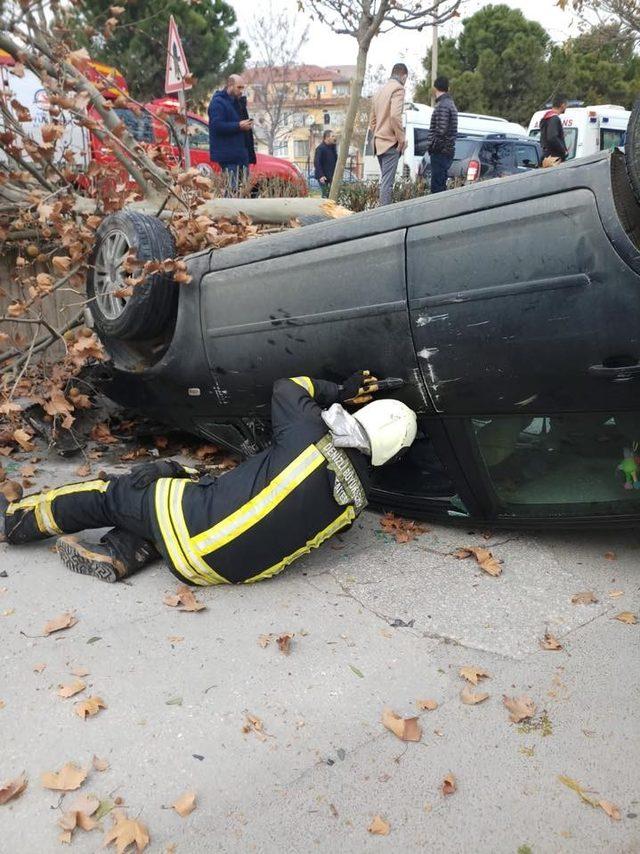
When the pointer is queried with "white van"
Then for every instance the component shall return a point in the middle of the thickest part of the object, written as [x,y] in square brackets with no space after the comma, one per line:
[417,121]
[588,130]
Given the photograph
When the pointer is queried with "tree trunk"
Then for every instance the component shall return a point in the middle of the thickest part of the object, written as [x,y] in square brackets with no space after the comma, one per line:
[350,120]
[266,211]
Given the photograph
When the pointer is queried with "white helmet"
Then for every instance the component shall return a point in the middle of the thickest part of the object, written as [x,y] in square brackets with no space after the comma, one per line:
[390,426]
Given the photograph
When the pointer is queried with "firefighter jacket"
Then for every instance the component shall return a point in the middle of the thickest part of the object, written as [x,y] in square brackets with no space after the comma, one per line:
[276,506]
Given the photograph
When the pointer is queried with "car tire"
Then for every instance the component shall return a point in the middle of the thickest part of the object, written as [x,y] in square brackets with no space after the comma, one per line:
[151,306]
[632,149]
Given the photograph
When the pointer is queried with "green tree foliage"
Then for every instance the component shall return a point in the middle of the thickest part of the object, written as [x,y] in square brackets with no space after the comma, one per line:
[139,41]
[502,64]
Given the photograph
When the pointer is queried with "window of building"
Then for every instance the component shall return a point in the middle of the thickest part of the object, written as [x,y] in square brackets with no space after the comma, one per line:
[301,148]
[281,148]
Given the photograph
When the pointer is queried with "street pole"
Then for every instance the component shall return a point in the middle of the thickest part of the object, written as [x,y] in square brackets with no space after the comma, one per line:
[183,109]
[434,60]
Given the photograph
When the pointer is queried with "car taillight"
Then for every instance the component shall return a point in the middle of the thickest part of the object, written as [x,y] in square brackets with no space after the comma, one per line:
[473,171]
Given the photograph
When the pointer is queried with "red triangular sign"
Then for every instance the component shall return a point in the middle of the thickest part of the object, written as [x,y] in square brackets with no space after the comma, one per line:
[177,68]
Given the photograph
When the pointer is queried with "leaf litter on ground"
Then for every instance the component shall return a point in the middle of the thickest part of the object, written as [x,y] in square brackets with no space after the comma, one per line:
[426,705]
[520,708]
[610,809]
[89,707]
[185,804]
[627,617]
[449,785]
[185,598]
[586,597]
[13,788]
[473,674]
[550,642]
[403,530]
[78,816]
[470,698]
[379,827]
[64,621]
[125,832]
[486,561]
[406,729]
[68,778]
[71,688]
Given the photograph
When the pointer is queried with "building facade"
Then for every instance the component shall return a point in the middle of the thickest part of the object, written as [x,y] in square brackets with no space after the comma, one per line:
[293,106]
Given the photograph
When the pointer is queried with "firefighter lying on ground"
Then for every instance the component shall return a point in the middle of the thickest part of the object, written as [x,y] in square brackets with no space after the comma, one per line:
[246,525]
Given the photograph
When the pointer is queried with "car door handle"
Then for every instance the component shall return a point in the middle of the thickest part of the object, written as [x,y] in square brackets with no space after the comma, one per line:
[619,374]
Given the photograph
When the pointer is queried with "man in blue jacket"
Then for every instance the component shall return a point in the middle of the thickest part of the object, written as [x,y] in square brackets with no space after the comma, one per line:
[228,130]
[324,162]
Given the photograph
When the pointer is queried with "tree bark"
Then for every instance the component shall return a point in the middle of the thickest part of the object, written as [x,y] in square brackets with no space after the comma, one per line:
[350,120]
[268,211]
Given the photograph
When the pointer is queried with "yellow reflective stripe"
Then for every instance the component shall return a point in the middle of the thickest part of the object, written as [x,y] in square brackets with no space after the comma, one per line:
[306,384]
[342,521]
[260,505]
[39,520]
[200,566]
[23,504]
[42,503]
[45,512]
[166,529]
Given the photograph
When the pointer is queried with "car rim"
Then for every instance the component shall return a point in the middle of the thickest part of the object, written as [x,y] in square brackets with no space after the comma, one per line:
[107,277]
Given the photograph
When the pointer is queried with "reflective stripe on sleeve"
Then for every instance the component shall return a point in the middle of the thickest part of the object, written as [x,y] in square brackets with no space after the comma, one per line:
[258,507]
[342,521]
[306,384]
[42,504]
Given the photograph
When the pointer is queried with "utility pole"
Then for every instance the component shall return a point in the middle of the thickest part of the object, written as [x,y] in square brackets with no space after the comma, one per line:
[434,57]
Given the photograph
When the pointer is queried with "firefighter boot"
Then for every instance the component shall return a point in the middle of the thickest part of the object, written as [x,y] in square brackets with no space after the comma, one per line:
[118,555]
[4,503]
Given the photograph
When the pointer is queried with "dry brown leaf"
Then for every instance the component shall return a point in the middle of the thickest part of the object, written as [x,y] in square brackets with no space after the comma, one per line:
[614,594]
[38,668]
[473,674]
[486,561]
[406,729]
[610,556]
[13,788]
[469,698]
[264,640]
[99,764]
[64,621]
[254,724]
[80,671]
[184,596]
[23,439]
[426,705]
[403,530]
[175,638]
[587,597]
[520,708]
[68,778]
[185,804]
[89,707]
[627,617]
[572,784]
[449,785]
[83,470]
[379,827]
[71,688]
[124,832]
[11,490]
[611,810]
[550,642]
[2,704]
[284,642]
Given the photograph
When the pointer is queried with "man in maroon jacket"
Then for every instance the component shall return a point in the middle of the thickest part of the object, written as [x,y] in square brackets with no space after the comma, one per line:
[552,132]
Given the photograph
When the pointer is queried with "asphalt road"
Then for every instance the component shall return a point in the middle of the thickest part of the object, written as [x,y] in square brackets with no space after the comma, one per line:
[178,687]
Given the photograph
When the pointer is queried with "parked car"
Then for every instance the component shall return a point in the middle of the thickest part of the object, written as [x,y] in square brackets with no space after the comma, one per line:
[481,158]
[511,310]
[157,125]
[348,177]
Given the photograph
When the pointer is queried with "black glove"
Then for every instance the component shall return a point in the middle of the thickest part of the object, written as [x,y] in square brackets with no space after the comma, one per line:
[147,473]
[358,388]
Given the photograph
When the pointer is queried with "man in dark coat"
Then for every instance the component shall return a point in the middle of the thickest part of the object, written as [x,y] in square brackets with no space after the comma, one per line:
[248,134]
[441,139]
[551,131]
[228,131]
[324,162]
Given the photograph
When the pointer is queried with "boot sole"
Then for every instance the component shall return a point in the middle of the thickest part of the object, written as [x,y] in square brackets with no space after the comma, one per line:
[79,559]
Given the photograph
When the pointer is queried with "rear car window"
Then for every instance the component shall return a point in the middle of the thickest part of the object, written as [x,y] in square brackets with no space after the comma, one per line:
[465,149]
[497,153]
[526,156]
[140,127]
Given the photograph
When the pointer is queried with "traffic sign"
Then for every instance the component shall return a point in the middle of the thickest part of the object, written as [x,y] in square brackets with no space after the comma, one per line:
[177,68]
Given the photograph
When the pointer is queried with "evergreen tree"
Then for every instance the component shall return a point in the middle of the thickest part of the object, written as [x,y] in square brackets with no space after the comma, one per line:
[138,43]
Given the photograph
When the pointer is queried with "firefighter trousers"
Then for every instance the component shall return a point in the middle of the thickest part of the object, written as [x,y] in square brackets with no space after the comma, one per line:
[77,506]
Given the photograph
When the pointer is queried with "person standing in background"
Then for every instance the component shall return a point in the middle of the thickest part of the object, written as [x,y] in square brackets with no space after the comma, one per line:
[441,138]
[324,162]
[386,125]
[248,134]
[228,131]
[552,133]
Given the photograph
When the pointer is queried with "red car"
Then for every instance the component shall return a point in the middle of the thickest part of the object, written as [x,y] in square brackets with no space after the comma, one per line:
[155,126]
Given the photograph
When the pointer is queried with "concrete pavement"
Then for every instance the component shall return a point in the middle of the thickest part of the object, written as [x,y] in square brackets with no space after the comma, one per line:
[324,766]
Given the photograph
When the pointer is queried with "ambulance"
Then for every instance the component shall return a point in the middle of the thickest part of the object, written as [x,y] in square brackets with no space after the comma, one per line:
[588,130]
[416,121]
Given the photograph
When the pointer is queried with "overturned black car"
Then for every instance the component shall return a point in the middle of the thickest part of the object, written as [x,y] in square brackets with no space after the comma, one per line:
[511,309]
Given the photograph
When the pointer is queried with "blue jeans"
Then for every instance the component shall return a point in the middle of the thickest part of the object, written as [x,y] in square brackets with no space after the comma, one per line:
[234,173]
[440,165]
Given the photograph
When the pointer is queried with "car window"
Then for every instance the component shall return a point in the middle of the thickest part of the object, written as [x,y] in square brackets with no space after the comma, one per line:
[610,139]
[198,134]
[140,127]
[465,149]
[526,156]
[420,141]
[497,155]
[583,464]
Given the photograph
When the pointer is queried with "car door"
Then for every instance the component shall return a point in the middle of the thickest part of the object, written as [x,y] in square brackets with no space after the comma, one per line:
[525,322]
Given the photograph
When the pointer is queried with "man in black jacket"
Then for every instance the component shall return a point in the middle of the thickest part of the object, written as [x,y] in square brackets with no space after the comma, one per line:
[324,162]
[248,134]
[441,138]
[245,526]
[552,132]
